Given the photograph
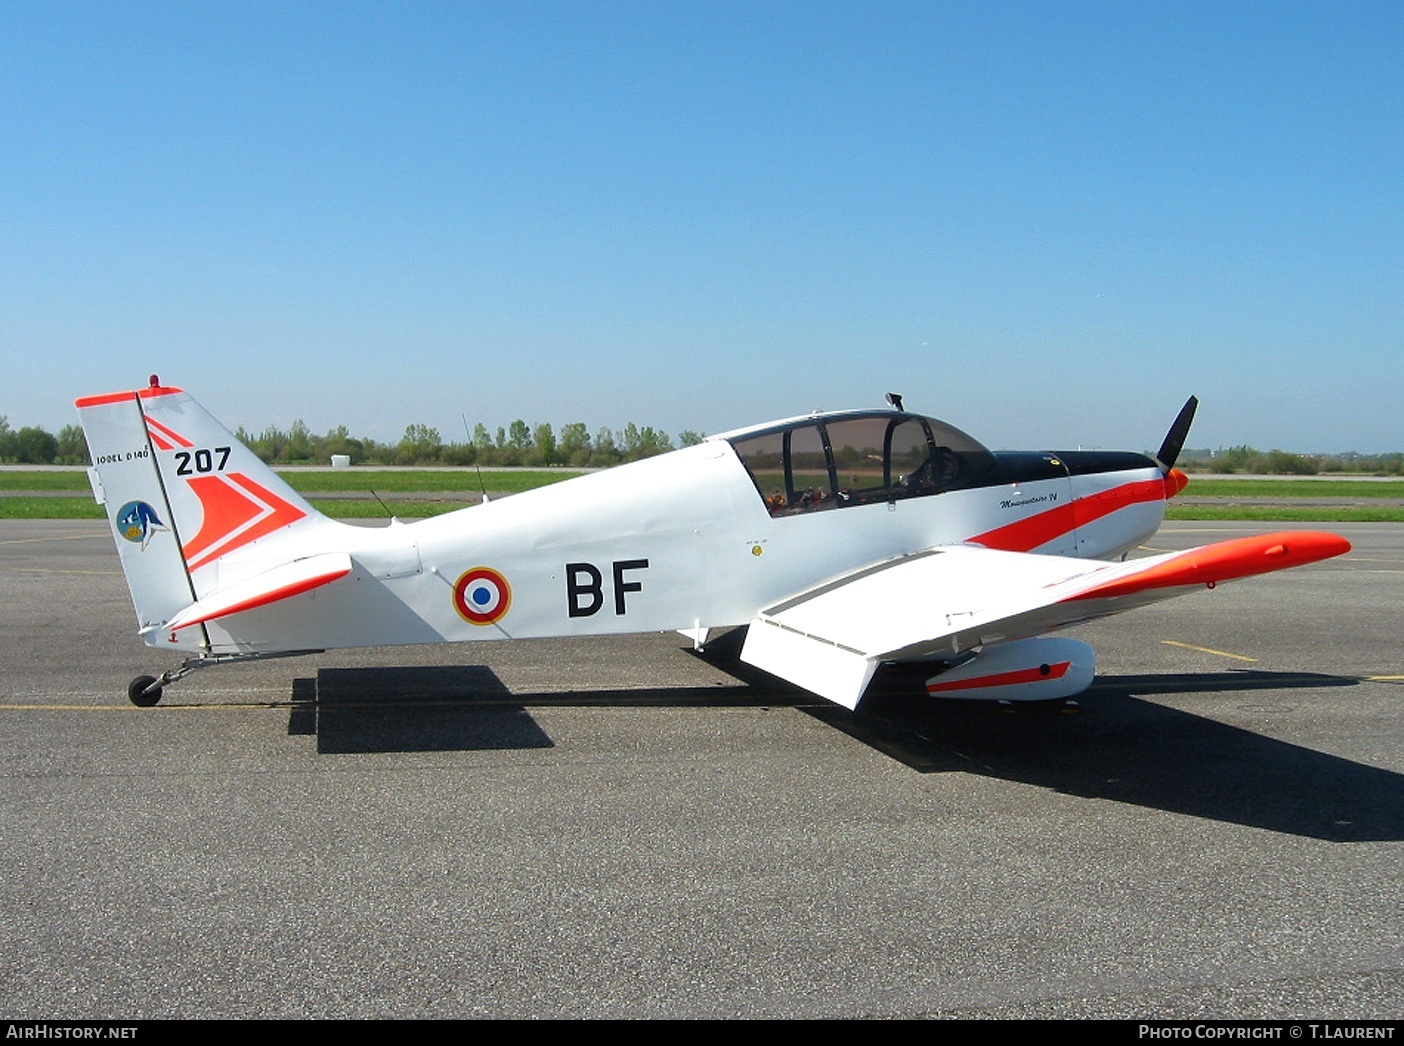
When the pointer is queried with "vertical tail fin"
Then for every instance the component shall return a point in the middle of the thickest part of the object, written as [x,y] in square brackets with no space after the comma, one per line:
[181,492]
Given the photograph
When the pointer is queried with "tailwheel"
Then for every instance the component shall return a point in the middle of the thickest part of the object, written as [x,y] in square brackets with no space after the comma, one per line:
[143,691]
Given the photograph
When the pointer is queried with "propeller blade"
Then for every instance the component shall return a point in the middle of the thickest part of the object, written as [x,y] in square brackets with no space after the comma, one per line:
[1175,438]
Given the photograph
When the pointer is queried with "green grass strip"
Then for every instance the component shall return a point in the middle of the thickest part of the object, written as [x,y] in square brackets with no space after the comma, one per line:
[1286,513]
[23,479]
[50,508]
[469,482]
[408,481]
[356,508]
[396,481]
[1210,487]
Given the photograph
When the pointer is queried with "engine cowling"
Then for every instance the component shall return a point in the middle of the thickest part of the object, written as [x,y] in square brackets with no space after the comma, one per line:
[1042,669]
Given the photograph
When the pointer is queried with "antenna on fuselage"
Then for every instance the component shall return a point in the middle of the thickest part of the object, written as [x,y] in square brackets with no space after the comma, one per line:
[383,505]
[894,400]
[481,484]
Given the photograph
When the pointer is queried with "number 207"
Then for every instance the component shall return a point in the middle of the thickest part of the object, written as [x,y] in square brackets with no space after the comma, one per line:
[188,463]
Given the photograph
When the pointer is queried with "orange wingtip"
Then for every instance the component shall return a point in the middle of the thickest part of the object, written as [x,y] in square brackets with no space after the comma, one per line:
[1226,560]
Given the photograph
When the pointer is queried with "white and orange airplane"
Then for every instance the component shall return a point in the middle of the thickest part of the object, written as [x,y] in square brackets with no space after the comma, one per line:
[843,541]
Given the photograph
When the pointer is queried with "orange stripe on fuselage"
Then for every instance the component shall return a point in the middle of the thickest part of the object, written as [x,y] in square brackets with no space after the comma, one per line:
[1027,534]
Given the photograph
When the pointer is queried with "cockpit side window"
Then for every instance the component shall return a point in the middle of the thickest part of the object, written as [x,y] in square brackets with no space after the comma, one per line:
[764,458]
[858,446]
[909,459]
[809,483]
[790,469]
[882,458]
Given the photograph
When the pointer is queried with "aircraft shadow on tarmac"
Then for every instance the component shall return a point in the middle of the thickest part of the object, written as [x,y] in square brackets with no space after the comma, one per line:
[1118,747]
[1123,748]
[456,708]
[441,708]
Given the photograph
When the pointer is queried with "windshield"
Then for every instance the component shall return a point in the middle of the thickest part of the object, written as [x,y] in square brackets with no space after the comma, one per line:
[859,459]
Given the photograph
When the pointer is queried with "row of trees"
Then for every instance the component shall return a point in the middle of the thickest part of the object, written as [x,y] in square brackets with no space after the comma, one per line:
[517,444]
[34,446]
[1284,463]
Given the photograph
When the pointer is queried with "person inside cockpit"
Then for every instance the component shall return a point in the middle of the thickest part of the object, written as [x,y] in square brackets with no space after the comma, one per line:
[937,472]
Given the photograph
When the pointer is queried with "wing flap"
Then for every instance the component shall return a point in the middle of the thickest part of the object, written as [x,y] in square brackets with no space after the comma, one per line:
[834,672]
[271,586]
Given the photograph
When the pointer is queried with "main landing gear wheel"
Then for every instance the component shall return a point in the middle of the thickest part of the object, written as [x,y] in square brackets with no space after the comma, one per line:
[141,692]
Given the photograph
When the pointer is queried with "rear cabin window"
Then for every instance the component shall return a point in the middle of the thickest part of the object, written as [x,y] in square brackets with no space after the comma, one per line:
[790,469]
[859,460]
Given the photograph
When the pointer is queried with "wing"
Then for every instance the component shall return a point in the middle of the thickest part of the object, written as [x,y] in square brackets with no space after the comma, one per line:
[945,601]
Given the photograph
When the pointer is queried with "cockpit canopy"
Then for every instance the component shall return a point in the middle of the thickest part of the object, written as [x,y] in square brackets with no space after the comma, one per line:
[838,460]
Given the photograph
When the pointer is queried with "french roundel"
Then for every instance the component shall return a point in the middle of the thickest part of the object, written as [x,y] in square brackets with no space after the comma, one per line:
[482,596]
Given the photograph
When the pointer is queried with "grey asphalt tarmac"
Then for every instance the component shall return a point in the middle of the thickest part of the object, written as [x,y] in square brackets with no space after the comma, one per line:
[621,828]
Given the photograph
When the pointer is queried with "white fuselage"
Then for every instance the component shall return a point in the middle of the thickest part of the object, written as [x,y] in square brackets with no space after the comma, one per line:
[681,541]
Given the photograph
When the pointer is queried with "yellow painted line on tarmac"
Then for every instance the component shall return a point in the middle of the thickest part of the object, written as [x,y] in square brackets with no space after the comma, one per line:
[272,705]
[156,709]
[56,537]
[44,570]
[1207,650]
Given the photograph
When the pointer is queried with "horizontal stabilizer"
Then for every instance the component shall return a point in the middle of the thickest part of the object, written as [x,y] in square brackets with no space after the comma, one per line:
[284,582]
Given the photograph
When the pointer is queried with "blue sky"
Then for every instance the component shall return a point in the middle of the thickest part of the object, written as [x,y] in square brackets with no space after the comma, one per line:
[1048,223]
